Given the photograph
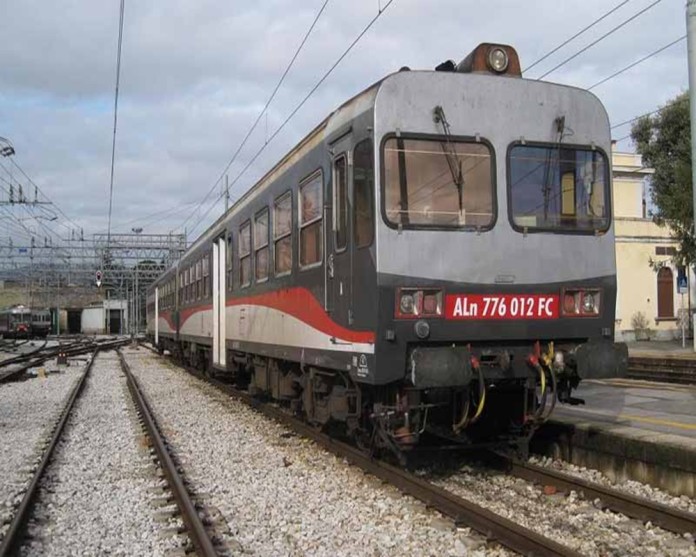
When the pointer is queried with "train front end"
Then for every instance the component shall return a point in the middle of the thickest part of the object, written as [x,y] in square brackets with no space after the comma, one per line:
[495,251]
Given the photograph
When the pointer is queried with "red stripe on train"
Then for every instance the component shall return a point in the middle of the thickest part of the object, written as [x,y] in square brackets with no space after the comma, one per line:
[297,302]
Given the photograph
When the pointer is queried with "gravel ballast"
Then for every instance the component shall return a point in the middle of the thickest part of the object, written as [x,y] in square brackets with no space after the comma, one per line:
[28,410]
[572,521]
[276,494]
[96,495]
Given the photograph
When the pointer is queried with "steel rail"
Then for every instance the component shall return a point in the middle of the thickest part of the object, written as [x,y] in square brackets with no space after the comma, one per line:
[10,543]
[463,512]
[196,530]
[21,357]
[664,516]
[73,349]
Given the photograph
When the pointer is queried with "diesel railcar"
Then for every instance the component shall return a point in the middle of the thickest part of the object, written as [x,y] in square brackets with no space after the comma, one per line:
[40,322]
[436,257]
[15,322]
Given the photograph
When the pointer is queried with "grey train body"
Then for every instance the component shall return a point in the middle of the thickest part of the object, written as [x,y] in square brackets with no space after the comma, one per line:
[421,296]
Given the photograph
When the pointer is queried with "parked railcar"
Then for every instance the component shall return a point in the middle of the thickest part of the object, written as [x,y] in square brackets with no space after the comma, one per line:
[436,257]
[40,323]
[15,322]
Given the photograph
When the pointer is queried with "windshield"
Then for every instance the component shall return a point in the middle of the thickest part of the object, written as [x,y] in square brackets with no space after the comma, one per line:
[437,183]
[558,188]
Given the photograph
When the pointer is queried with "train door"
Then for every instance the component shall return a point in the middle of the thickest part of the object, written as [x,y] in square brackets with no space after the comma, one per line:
[219,313]
[156,319]
[339,245]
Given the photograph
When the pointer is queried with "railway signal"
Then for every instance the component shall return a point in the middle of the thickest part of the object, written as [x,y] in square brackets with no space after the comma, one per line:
[99,279]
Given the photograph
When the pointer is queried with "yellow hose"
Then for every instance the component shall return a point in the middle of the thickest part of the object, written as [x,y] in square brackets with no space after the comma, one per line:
[482,397]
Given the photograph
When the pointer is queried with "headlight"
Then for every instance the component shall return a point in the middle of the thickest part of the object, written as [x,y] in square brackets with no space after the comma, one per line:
[588,303]
[407,304]
[579,302]
[411,303]
[498,59]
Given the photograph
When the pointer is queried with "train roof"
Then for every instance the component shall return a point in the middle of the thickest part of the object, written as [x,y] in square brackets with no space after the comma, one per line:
[329,126]
[333,126]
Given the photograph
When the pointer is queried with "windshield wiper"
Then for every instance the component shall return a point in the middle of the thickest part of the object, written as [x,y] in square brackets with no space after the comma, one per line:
[453,161]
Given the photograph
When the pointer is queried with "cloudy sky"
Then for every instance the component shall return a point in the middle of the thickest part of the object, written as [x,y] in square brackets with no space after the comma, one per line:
[196,74]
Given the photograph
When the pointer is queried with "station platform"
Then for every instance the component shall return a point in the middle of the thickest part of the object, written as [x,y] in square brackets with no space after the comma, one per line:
[629,429]
[662,349]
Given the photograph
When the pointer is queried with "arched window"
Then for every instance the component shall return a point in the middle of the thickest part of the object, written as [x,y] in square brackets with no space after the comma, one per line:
[665,293]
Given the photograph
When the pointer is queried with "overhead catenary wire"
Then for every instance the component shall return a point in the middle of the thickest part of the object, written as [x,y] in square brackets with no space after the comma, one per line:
[263,111]
[600,39]
[651,113]
[301,104]
[113,143]
[41,192]
[634,64]
[583,30]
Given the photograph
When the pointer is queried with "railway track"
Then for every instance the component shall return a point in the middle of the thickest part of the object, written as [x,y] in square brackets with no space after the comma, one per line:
[664,516]
[15,367]
[666,370]
[12,540]
[463,512]
[15,533]
[196,530]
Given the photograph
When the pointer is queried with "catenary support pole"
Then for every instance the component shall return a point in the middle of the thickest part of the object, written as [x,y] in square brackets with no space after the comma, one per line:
[691,47]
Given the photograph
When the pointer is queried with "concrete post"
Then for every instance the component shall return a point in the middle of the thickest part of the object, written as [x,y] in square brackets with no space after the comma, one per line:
[691,47]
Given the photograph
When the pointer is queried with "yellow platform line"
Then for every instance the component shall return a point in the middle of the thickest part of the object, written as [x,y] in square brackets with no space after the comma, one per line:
[657,421]
[603,416]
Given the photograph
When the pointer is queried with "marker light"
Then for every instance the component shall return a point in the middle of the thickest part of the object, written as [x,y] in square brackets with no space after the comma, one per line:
[418,302]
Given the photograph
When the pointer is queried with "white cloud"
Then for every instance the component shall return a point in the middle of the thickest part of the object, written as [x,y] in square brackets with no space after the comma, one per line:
[196,74]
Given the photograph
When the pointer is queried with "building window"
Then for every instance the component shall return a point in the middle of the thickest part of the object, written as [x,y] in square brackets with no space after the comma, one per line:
[282,234]
[665,293]
[310,222]
[261,245]
[363,193]
[665,250]
[245,254]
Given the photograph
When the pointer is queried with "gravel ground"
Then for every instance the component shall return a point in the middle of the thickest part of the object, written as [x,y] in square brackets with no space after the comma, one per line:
[28,410]
[276,494]
[96,497]
[636,488]
[572,521]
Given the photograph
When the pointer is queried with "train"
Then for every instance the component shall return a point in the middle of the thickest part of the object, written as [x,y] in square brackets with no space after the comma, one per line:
[41,324]
[15,322]
[23,322]
[434,260]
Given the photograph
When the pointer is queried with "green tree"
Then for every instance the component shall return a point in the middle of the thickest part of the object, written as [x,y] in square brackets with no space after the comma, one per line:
[664,141]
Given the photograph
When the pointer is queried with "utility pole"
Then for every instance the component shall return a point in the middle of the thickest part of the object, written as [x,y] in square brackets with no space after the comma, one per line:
[691,47]
[227,194]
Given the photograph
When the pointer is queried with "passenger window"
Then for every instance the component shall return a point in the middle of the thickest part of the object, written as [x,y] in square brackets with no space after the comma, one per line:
[282,234]
[340,202]
[245,254]
[261,245]
[199,282]
[206,272]
[363,193]
[311,229]
[230,252]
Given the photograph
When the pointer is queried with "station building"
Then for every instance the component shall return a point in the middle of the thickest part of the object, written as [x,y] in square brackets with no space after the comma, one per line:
[650,305]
